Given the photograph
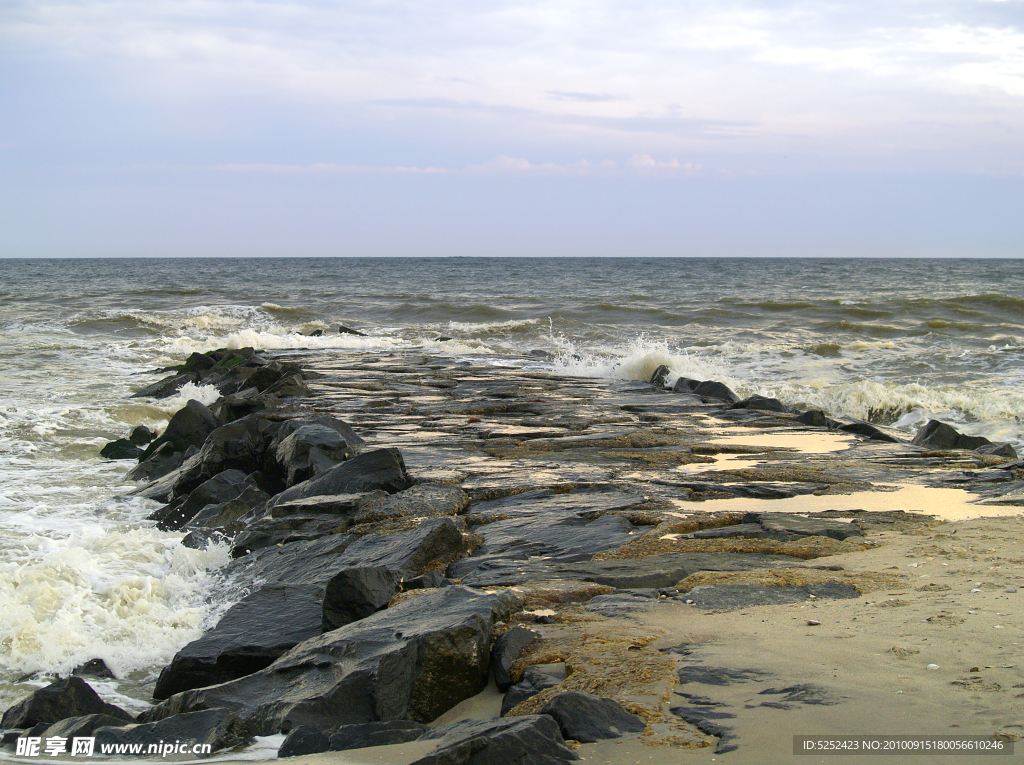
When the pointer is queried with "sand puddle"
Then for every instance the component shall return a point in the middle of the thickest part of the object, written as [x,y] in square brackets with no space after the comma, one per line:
[945,504]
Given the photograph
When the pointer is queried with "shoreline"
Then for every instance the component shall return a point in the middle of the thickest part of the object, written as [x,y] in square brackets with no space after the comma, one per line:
[625,461]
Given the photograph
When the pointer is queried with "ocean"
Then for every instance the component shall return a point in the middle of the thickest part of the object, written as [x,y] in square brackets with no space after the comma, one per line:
[83,575]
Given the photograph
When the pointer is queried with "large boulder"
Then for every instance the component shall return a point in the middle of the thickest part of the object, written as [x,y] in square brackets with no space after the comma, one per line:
[69,697]
[286,609]
[219,489]
[939,435]
[355,593]
[202,732]
[526,740]
[506,650]
[189,426]
[534,680]
[413,661]
[167,386]
[587,718]
[382,469]
[80,727]
[305,449]
[431,546]
[307,587]
[716,390]
[239,445]
[375,734]
[251,635]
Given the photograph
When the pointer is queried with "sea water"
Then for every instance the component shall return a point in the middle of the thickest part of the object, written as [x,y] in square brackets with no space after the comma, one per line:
[83,575]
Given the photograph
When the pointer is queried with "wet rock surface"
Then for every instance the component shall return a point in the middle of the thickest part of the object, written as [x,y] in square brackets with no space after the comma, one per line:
[405,526]
[70,697]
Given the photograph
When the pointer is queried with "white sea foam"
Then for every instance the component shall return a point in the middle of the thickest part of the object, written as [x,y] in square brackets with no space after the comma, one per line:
[638,360]
[130,596]
[279,338]
[204,394]
[486,327]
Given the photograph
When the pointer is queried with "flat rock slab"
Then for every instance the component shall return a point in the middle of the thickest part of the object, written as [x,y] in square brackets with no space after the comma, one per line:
[655,571]
[413,661]
[729,597]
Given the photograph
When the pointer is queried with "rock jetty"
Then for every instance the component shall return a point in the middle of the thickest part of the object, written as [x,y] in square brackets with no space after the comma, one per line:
[414,528]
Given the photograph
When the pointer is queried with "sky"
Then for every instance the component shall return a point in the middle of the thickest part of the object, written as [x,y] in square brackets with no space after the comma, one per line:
[401,127]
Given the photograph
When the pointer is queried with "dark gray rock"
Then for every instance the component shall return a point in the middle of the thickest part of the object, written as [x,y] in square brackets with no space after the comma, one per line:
[140,435]
[737,531]
[761,403]
[557,537]
[379,469]
[656,571]
[163,461]
[305,449]
[285,610]
[587,718]
[717,390]
[200,539]
[624,602]
[346,505]
[1001,449]
[189,426]
[82,726]
[219,489]
[69,697]
[660,376]
[121,449]
[420,501]
[527,740]
[534,680]
[274,532]
[239,445]
[217,728]
[250,636]
[304,739]
[813,417]
[355,593]
[506,650]
[426,581]
[868,430]
[794,526]
[94,668]
[225,515]
[711,722]
[166,387]
[413,661]
[375,734]
[430,546]
[685,385]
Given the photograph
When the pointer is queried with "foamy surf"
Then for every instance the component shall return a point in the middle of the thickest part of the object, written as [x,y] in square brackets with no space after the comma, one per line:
[129,596]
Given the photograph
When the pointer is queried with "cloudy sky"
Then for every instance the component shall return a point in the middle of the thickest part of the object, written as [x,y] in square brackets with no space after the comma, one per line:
[402,127]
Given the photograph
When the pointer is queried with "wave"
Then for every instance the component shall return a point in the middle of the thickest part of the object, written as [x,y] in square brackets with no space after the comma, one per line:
[130,597]
[489,327]
[280,339]
[638,360]
[995,414]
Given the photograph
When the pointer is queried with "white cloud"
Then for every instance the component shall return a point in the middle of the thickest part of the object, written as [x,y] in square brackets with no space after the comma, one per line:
[652,77]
